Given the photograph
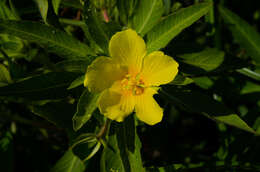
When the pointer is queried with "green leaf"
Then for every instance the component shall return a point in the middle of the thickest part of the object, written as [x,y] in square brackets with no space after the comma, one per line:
[77,82]
[249,73]
[72,3]
[147,15]
[11,45]
[197,102]
[235,121]
[123,150]
[172,25]
[69,163]
[250,87]
[56,5]
[5,77]
[243,33]
[181,80]
[45,86]
[126,9]
[54,40]
[14,10]
[6,13]
[86,106]
[208,59]
[43,8]
[100,31]
[203,82]
[58,113]
[167,6]
[77,66]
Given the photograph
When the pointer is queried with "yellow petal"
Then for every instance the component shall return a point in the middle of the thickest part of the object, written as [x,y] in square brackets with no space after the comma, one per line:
[147,109]
[129,49]
[159,69]
[114,105]
[102,73]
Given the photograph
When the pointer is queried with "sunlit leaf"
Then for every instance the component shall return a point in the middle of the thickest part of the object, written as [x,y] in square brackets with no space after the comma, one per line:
[236,121]
[43,8]
[69,163]
[79,66]
[123,150]
[77,82]
[54,40]
[56,5]
[147,15]
[208,59]
[86,106]
[172,25]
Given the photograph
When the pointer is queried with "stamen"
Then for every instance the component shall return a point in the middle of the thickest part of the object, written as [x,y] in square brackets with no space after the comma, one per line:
[133,84]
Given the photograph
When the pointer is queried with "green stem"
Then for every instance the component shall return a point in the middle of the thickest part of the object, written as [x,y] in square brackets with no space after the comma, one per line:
[94,151]
[104,130]
[72,22]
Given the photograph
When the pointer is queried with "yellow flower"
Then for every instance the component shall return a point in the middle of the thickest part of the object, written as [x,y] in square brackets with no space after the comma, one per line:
[129,78]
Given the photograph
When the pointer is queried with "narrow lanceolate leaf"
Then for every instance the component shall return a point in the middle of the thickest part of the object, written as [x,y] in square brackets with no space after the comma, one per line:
[123,150]
[56,5]
[100,31]
[198,102]
[77,66]
[86,106]
[43,8]
[243,33]
[5,77]
[235,121]
[77,82]
[69,163]
[6,13]
[181,80]
[46,86]
[54,40]
[172,25]
[72,3]
[147,15]
[208,59]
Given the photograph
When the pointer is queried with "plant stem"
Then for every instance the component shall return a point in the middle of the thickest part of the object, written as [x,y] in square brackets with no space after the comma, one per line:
[72,22]
[104,129]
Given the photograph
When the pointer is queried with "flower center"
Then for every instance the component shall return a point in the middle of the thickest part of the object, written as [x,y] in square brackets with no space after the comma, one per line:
[133,85]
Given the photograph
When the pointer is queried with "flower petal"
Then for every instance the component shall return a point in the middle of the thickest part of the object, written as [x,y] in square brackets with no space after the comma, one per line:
[114,105]
[102,73]
[147,109]
[159,69]
[129,49]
